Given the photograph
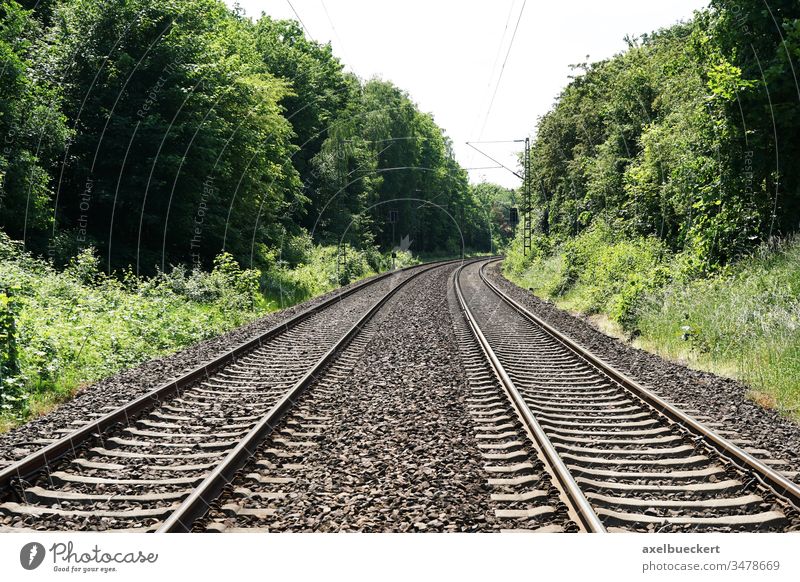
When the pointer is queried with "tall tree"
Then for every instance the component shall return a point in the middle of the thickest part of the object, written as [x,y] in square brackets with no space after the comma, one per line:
[181,141]
[32,129]
[682,136]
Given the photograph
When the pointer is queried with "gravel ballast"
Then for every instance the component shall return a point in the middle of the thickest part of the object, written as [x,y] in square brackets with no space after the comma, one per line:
[386,441]
[396,451]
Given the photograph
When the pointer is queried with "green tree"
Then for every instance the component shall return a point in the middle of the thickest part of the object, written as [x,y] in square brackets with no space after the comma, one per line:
[678,136]
[181,139]
[32,129]
[320,89]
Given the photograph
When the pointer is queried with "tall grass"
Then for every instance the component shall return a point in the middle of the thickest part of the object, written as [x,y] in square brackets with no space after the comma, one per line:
[77,326]
[743,322]
[596,272]
[320,270]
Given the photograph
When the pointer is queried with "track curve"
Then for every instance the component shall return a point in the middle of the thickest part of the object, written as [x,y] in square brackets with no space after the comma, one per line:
[642,464]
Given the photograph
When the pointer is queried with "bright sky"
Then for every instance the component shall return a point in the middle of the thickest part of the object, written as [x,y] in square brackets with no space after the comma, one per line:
[448,54]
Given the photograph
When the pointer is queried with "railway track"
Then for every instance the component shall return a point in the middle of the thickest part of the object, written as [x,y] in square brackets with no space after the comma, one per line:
[524,495]
[159,461]
[322,470]
[623,458]
[248,504]
[567,443]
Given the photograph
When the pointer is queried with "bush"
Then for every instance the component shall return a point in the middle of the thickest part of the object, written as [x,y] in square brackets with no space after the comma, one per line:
[325,270]
[10,385]
[743,321]
[516,262]
[612,273]
[598,270]
[85,267]
[62,330]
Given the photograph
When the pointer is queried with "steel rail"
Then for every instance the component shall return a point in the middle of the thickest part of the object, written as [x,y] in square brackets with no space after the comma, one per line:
[582,509]
[44,457]
[772,479]
[198,502]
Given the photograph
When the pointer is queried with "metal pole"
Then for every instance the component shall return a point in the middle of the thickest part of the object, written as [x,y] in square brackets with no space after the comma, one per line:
[526,204]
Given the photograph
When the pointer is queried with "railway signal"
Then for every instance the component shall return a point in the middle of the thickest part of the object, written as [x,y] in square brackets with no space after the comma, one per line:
[394,218]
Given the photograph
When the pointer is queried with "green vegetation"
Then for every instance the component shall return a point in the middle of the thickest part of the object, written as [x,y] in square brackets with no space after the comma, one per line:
[682,137]
[60,331]
[595,272]
[742,322]
[666,177]
[172,160]
[151,147]
[74,327]
[167,132]
[320,270]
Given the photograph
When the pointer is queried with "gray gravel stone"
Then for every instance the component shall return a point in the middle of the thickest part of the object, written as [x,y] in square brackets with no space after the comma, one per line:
[397,452]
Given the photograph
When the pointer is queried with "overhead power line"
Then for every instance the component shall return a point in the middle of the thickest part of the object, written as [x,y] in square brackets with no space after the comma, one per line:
[500,141]
[502,68]
[497,55]
[484,154]
[336,33]
[300,20]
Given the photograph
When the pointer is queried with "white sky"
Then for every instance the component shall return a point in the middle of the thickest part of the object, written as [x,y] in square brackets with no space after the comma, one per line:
[448,53]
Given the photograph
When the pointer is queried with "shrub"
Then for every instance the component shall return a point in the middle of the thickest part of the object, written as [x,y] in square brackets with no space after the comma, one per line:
[743,321]
[62,330]
[10,385]
[598,270]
